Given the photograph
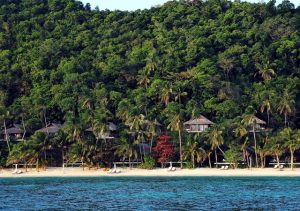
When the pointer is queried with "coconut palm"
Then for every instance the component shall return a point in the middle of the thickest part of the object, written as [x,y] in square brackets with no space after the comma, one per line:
[265,71]
[138,131]
[176,125]
[250,120]
[241,133]
[291,141]
[144,80]
[152,131]
[192,150]
[216,140]
[165,93]
[277,147]
[264,150]
[286,105]
[127,149]
[266,102]
[31,151]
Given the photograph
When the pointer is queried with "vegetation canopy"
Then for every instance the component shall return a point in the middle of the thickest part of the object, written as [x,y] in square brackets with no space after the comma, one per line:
[148,71]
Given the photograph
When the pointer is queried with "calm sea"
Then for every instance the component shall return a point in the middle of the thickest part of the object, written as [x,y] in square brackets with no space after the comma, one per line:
[140,193]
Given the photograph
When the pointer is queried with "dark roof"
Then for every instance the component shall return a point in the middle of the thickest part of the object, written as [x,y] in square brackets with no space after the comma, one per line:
[51,128]
[111,126]
[259,121]
[15,129]
[147,122]
[201,120]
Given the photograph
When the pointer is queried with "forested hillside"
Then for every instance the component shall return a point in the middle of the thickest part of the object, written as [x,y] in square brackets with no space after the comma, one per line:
[61,61]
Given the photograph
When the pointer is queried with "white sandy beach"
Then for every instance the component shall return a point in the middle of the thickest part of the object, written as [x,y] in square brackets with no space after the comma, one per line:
[79,172]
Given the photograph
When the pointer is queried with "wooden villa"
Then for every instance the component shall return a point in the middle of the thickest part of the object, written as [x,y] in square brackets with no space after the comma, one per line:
[14,133]
[259,125]
[51,128]
[108,134]
[146,124]
[197,125]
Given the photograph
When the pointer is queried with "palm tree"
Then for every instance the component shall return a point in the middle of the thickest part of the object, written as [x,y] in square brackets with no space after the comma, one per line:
[216,140]
[4,116]
[165,93]
[152,131]
[291,141]
[264,151]
[241,132]
[266,102]
[144,80]
[286,105]
[265,71]
[127,149]
[277,146]
[137,124]
[31,151]
[176,125]
[192,150]
[124,110]
[250,120]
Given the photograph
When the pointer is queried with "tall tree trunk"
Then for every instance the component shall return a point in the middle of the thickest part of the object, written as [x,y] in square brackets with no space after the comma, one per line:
[216,157]
[129,162]
[24,133]
[62,156]
[255,146]
[248,161]
[268,114]
[209,161]
[6,136]
[262,160]
[193,161]
[140,149]
[292,158]
[151,143]
[277,158]
[221,150]
[285,119]
[180,148]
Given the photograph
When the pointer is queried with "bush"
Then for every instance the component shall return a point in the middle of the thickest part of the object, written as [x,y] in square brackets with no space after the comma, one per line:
[233,156]
[149,162]
[188,165]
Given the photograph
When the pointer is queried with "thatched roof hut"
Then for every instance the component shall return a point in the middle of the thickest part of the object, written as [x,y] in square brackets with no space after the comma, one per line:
[107,134]
[14,130]
[197,125]
[259,121]
[51,128]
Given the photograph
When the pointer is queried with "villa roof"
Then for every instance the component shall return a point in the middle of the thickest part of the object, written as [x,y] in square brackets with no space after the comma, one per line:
[201,120]
[111,126]
[51,128]
[147,122]
[259,121]
[15,129]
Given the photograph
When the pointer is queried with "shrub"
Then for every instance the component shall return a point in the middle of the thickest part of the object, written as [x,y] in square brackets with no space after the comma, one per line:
[149,162]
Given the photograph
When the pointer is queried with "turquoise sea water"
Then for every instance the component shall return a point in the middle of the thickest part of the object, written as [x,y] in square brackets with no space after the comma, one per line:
[150,193]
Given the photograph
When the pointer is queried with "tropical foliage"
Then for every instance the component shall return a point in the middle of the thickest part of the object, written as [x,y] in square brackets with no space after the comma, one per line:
[61,61]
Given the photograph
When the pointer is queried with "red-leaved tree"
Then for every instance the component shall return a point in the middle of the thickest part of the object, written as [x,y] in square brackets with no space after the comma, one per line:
[163,150]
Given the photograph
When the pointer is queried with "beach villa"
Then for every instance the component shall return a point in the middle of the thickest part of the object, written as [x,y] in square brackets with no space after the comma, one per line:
[259,125]
[109,133]
[14,133]
[197,125]
[51,128]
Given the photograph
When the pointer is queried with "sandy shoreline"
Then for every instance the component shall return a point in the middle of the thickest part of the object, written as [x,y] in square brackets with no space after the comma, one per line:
[126,172]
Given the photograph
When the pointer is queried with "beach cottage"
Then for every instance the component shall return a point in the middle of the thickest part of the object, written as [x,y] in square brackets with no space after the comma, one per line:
[51,128]
[109,133]
[14,133]
[259,125]
[197,125]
